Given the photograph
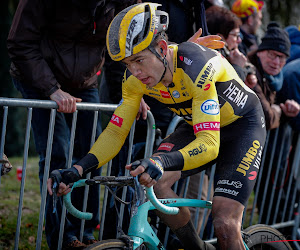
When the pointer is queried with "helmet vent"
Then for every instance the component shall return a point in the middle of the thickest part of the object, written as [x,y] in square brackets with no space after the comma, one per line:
[163,19]
[135,40]
[146,30]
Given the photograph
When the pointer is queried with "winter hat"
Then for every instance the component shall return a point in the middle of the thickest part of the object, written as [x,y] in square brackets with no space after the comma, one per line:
[245,8]
[275,39]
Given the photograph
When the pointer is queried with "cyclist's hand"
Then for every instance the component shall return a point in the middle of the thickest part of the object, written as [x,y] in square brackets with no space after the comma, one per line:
[150,169]
[210,41]
[66,103]
[143,110]
[60,179]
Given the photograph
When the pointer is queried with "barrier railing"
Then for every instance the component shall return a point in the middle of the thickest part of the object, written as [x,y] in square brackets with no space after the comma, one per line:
[275,199]
[8,103]
[276,196]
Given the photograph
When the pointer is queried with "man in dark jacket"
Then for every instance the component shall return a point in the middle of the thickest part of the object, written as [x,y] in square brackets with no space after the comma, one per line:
[57,48]
[269,59]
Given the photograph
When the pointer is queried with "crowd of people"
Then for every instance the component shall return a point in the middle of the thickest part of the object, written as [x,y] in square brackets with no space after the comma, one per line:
[58,48]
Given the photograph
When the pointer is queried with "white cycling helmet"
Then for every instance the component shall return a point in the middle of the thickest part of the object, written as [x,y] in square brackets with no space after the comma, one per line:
[134,29]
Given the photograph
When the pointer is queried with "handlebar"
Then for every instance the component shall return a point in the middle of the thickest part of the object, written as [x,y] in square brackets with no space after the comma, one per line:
[88,216]
[69,206]
[158,205]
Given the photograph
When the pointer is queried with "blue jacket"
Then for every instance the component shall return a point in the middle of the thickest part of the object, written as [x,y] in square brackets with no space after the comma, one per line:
[291,75]
[291,88]
[294,35]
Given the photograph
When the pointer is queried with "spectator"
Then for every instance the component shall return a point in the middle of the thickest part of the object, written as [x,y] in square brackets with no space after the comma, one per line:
[291,90]
[279,107]
[250,12]
[291,74]
[56,48]
[291,82]
[222,22]
[269,59]
[294,35]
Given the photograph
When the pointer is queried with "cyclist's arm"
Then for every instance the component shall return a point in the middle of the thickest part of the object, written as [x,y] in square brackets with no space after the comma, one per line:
[113,137]
[206,125]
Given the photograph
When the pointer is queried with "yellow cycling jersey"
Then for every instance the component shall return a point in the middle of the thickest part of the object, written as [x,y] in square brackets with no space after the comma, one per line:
[206,91]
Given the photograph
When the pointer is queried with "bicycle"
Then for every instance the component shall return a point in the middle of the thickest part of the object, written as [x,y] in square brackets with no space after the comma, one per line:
[141,235]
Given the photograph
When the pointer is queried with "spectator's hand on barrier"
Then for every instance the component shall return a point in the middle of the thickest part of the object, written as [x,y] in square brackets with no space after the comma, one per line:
[237,58]
[62,178]
[251,80]
[66,103]
[290,108]
[276,108]
[143,110]
[149,169]
[210,41]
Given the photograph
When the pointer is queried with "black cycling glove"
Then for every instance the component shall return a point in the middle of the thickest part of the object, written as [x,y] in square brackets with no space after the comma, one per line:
[152,165]
[66,176]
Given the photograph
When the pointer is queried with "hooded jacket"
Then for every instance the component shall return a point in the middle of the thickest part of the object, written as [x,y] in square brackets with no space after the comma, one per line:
[294,35]
[60,44]
[291,75]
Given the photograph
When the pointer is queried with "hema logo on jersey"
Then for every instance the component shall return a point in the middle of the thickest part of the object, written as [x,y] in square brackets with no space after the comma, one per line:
[118,121]
[206,126]
[210,107]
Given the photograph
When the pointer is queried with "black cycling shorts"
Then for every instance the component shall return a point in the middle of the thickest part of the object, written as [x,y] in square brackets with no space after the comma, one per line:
[239,156]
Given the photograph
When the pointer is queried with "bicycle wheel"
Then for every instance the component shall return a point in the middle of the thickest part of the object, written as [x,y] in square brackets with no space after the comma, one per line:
[113,244]
[258,237]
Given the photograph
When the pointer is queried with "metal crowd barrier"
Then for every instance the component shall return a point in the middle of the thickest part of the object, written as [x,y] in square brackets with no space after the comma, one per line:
[8,103]
[275,199]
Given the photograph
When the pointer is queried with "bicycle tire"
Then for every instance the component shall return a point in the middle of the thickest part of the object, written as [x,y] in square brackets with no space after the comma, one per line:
[112,244]
[265,237]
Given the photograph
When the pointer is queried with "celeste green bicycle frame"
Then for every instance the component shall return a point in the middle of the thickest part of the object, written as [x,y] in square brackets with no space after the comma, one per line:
[140,230]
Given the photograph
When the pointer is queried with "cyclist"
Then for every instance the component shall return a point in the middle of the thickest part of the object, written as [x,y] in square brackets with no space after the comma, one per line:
[200,85]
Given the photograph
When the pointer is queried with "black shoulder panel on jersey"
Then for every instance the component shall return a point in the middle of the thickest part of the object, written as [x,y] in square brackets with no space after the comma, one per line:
[127,74]
[239,98]
[192,58]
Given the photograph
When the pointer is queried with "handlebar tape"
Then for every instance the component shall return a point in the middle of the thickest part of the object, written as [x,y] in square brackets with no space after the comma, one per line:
[71,209]
[158,205]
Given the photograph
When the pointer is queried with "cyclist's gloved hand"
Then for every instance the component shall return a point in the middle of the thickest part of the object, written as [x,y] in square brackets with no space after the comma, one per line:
[66,176]
[153,166]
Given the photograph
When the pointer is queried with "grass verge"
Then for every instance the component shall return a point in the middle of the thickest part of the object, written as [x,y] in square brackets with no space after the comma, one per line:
[9,196]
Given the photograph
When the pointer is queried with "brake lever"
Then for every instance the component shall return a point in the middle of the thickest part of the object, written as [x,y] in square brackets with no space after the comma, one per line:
[54,190]
[56,179]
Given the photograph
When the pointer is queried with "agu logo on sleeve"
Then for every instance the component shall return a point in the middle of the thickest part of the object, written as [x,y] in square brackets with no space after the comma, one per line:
[210,107]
